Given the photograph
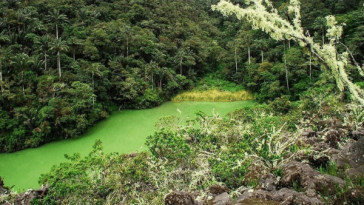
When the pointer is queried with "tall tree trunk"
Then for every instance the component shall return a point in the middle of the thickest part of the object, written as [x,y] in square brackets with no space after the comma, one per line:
[249,54]
[127,46]
[1,80]
[285,65]
[57,31]
[152,81]
[59,63]
[93,89]
[180,65]
[74,53]
[236,62]
[262,56]
[22,76]
[323,36]
[45,60]
[310,65]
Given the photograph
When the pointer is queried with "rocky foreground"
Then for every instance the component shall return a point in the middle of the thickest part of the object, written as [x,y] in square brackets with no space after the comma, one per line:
[273,190]
[325,166]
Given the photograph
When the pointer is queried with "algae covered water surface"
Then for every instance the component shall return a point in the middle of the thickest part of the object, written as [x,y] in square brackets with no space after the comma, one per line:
[124,131]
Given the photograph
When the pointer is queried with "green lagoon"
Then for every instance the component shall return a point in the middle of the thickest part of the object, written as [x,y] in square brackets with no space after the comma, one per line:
[124,131]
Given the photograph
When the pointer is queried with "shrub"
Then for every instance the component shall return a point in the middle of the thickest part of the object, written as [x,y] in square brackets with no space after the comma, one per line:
[166,144]
[281,104]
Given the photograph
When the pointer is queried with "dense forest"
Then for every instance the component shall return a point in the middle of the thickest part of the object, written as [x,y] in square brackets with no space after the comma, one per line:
[67,64]
[74,61]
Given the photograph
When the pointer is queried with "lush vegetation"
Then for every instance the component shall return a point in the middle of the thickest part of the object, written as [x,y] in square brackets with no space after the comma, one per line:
[65,64]
[182,157]
[69,61]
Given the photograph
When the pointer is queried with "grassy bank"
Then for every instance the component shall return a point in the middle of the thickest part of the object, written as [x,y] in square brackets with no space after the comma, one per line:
[214,96]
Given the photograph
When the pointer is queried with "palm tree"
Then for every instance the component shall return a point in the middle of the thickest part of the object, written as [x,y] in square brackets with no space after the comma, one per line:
[43,44]
[185,57]
[320,23]
[179,57]
[4,53]
[261,44]
[37,63]
[95,69]
[151,68]
[285,63]
[74,43]
[4,38]
[59,45]
[83,15]
[127,32]
[56,18]
[21,62]
[12,3]
[5,24]
[248,40]
[235,44]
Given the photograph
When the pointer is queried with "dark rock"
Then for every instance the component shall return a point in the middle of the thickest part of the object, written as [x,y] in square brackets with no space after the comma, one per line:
[255,172]
[333,123]
[319,133]
[179,198]
[318,161]
[357,172]
[221,199]
[289,196]
[310,180]
[354,196]
[255,194]
[42,192]
[357,134]
[1,182]
[218,189]
[25,198]
[309,133]
[256,202]
[321,146]
[351,155]
[283,196]
[268,182]
[312,140]
[3,188]
[332,138]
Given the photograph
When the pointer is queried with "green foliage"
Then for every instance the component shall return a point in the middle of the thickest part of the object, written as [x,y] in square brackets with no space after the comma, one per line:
[360,84]
[169,145]
[227,168]
[96,176]
[281,104]
[278,172]
[214,83]
[330,169]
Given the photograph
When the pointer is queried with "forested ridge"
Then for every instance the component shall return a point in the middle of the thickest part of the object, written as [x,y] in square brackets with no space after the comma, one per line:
[67,64]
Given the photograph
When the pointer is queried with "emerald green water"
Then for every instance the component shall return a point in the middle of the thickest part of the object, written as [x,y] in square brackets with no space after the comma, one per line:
[124,132]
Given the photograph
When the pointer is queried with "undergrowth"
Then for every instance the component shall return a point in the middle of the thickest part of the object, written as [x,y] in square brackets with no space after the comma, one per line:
[214,89]
[214,96]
